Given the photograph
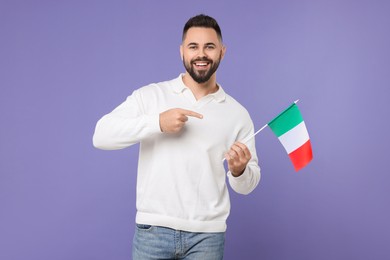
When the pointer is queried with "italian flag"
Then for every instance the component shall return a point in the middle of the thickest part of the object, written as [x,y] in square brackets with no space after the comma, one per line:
[291,131]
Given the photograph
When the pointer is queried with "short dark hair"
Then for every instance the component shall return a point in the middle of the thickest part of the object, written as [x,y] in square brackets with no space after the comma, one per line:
[202,20]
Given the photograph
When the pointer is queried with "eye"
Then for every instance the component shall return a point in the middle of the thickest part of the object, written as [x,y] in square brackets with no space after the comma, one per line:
[210,47]
[192,47]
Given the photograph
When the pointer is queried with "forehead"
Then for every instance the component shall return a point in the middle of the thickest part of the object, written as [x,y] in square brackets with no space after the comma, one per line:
[201,35]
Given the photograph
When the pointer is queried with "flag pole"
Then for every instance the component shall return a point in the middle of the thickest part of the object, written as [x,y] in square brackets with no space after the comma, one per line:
[250,137]
[258,131]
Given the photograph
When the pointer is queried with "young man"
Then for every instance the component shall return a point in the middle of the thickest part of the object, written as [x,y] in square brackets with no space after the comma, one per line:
[186,127]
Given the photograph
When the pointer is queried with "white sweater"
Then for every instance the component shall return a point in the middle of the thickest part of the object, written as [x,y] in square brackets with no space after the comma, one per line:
[181,180]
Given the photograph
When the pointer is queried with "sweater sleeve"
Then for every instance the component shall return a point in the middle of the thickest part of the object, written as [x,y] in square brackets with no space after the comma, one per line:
[247,182]
[125,125]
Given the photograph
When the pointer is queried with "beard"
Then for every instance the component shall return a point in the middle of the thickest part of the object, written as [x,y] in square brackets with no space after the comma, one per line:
[203,75]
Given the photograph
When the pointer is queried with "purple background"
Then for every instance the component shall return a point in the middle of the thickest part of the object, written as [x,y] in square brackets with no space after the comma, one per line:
[64,64]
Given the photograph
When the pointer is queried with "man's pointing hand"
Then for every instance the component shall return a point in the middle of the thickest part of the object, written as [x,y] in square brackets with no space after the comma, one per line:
[173,120]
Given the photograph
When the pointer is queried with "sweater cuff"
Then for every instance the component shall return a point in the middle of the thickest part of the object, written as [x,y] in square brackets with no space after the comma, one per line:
[238,179]
[153,123]
[241,184]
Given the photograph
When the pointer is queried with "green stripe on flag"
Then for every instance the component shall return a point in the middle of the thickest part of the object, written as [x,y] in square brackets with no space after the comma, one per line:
[287,120]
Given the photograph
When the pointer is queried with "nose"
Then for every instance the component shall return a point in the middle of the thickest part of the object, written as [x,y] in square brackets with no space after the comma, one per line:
[202,53]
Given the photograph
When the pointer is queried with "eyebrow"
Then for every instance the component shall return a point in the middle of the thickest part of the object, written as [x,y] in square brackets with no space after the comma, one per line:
[206,44]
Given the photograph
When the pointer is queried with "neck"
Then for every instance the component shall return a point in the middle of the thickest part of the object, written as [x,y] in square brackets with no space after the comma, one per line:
[201,89]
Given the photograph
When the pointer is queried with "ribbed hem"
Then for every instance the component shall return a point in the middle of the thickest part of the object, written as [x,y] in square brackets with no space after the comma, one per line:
[180,224]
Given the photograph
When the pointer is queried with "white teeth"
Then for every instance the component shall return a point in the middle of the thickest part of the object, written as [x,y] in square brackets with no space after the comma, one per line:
[201,64]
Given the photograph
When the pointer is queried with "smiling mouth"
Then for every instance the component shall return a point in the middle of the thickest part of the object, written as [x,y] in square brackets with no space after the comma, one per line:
[201,64]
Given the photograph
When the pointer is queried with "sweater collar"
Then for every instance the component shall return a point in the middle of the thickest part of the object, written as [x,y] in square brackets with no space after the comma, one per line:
[179,87]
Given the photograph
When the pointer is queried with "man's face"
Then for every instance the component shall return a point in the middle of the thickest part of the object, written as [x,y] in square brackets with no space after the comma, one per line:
[201,51]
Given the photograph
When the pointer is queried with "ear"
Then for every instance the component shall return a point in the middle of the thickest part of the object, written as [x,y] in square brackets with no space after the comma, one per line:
[181,52]
[223,51]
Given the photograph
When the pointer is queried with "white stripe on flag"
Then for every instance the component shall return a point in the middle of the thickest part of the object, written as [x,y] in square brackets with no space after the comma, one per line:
[294,138]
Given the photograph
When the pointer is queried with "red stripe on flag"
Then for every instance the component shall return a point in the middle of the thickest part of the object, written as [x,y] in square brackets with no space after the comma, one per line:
[301,156]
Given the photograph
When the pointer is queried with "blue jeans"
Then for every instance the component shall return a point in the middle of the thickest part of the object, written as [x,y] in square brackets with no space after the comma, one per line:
[153,242]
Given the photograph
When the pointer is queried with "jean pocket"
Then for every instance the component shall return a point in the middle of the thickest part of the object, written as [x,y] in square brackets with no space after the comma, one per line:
[143,226]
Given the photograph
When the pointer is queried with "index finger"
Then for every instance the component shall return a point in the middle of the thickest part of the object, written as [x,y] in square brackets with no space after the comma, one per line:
[191,113]
[241,145]
[242,148]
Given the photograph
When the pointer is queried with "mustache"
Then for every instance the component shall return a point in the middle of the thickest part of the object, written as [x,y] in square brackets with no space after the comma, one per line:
[202,59]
